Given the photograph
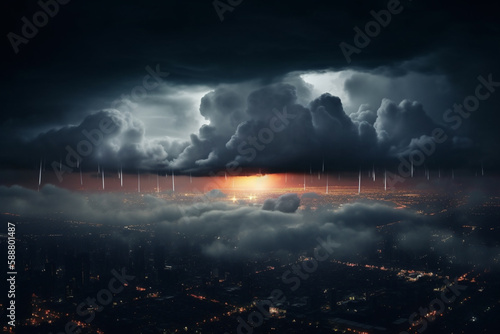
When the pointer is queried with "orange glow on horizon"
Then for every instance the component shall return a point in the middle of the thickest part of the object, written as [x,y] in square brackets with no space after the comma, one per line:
[232,185]
[256,182]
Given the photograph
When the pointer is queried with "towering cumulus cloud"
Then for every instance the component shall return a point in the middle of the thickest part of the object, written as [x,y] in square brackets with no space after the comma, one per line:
[248,125]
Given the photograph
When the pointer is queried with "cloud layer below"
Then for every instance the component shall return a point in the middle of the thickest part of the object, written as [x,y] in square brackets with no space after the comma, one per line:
[219,230]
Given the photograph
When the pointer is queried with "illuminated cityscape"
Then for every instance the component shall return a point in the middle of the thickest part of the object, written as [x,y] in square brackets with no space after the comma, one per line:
[368,289]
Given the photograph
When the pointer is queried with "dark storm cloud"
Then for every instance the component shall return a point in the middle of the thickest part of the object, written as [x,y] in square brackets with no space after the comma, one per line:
[109,137]
[399,124]
[224,108]
[252,127]
[287,203]
[276,131]
[89,55]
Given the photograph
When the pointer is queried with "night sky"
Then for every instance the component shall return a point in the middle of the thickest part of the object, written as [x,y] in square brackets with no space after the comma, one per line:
[218,84]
